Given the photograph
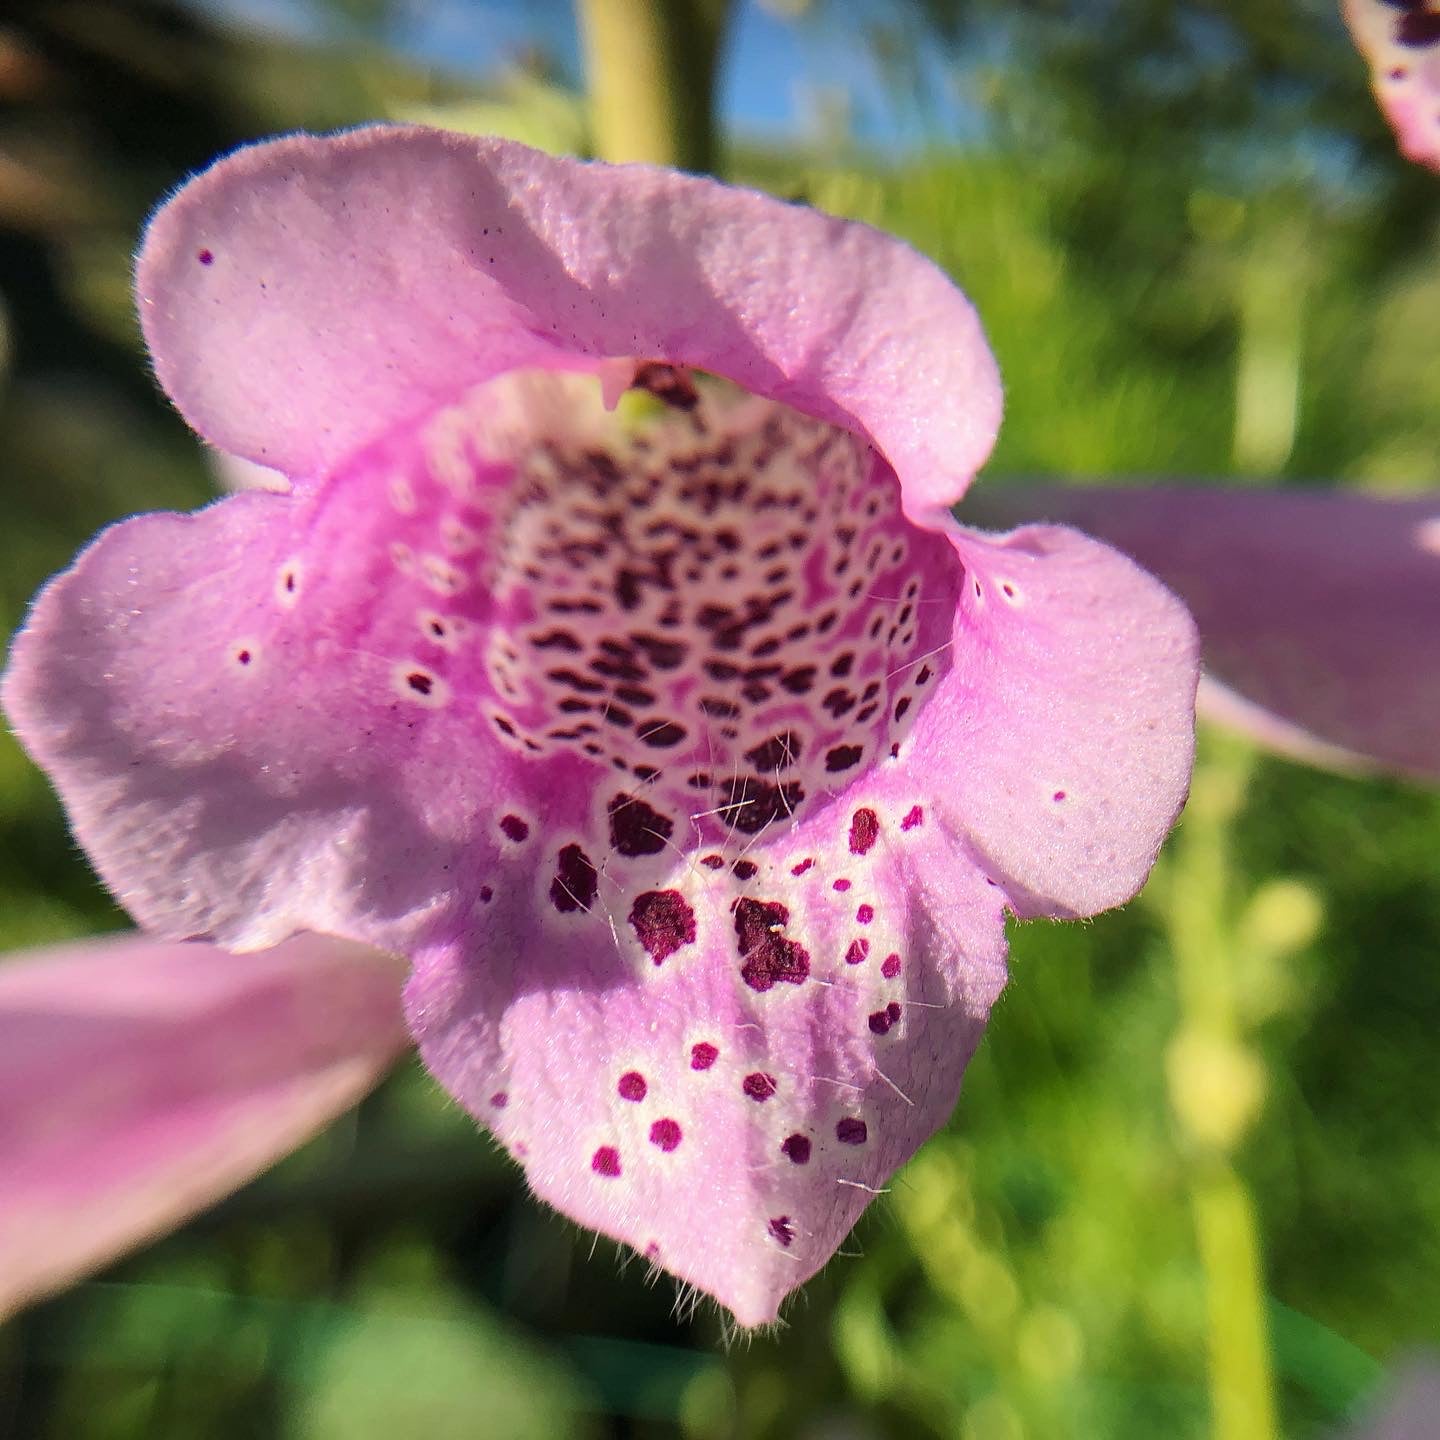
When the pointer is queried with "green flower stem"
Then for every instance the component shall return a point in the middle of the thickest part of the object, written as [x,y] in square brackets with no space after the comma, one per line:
[1216,1088]
[651,68]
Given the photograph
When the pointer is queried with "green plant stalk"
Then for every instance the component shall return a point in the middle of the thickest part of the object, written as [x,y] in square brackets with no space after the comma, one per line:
[1198,918]
[651,67]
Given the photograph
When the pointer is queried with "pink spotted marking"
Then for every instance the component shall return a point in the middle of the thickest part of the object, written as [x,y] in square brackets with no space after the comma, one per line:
[632,1086]
[606,1161]
[913,817]
[865,914]
[851,1131]
[703,1055]
[759,1086]
[890,966]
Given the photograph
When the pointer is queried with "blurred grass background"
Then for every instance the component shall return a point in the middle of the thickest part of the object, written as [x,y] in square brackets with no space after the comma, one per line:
[1196,255]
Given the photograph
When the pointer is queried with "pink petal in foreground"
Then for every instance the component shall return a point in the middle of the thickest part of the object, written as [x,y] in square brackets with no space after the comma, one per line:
[1321,609]
[1401,40]
[140,1082]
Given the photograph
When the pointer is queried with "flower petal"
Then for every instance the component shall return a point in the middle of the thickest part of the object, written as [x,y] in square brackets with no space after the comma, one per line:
[140,1082]
[1402,43]
[1065,730]
[730,1102]
[1321,608]
[305,296]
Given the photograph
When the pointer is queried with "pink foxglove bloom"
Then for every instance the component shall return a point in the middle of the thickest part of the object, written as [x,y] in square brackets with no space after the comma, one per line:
[1401,40]
[690,750]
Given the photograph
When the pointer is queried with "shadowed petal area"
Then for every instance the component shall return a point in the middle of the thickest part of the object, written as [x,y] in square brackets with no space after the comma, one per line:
[271,285]
[140,1082]
[1402,43]
[1319,607]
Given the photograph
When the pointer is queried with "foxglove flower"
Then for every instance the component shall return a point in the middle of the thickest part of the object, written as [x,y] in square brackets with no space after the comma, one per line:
[689,749]
[1401,40]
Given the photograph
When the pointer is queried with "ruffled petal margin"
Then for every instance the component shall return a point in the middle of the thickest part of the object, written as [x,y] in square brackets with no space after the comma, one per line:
[140,1082]
[305,296]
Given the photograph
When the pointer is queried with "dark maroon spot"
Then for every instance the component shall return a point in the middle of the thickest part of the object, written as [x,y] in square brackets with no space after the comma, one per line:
[632,1086]
[865,914]
[880,1021]
[486,894]
[636,828]
[758,1085]
[1058,795]
[864,830]
[500,1099]
[891,967]
[893,1011]
[775,753]
[663,921]
[750,804]
[857,951]
[796,1149]
[660,733]
[915,816]
[665,1134]
[420,682]
[840,667]
[851,1131]
[925,673]
[768,956]
[668,384]
[1418,28]
[713,862]
[901,706]
[703,1055]
[842,757]
[514,827]
[783,1230]
[575,883]
[839,701]
[206,257]
[802,867]
[243,657]
[745,869]
[798,681]
[606,1161]
[842,885]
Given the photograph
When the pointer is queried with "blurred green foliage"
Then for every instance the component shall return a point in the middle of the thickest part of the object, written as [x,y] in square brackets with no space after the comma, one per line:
[1035,1272]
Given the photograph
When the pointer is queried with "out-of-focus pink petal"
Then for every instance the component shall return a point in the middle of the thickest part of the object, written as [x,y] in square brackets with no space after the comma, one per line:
[1321,608]
[1409,1407]
[1061,741]
[1401,40]
[304,297]
[139,1082]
